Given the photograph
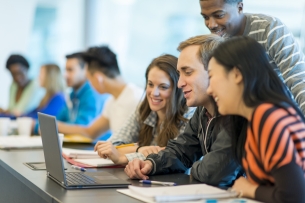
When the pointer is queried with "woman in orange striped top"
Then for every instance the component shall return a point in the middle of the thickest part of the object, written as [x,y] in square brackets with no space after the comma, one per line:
[271,148]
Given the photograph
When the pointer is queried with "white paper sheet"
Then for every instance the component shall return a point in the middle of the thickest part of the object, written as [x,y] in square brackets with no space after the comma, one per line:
[19,142]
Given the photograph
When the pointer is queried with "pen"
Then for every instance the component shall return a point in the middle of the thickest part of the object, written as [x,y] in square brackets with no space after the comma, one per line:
[125,145]
[158,182]
[78,168]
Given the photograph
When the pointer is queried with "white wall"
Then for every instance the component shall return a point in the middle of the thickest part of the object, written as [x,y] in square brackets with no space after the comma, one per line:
[16,19]
[16,35]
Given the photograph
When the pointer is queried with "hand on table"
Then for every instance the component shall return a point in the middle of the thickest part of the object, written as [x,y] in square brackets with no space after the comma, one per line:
[138,169]
[107,150]
[244,188]
[150,150]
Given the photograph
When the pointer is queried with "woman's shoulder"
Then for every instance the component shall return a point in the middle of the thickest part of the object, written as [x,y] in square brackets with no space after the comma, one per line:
[273,113]
[268,108]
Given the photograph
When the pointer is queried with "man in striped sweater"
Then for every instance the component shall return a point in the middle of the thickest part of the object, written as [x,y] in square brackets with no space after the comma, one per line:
[226,18]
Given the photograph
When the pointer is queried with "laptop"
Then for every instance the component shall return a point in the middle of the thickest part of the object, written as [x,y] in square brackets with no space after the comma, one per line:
[55,165]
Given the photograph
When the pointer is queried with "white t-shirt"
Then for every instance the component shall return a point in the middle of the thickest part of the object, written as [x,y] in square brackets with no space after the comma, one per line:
[117,111]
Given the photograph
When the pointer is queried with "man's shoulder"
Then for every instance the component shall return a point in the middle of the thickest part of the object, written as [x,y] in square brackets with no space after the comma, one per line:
[134,88]
[88,94]
[132,93]
[261,21]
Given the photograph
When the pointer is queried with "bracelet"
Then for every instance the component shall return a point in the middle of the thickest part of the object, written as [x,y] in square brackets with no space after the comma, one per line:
[138,148]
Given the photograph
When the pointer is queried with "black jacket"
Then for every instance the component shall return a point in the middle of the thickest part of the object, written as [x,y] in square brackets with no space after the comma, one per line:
[217,167]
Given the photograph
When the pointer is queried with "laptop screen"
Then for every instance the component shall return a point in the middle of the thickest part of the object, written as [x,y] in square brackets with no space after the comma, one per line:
[51,147]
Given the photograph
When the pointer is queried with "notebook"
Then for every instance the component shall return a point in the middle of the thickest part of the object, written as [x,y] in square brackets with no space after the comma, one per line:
[79,154]
[55,167]
[96,162]
[183,193]
[92,163]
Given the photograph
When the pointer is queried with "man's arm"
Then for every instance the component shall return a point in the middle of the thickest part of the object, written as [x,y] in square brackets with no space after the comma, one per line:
[98,127]
[180,154]
[218,167]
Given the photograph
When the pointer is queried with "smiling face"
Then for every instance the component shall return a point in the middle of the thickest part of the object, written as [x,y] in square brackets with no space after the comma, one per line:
[193,79]
[226,88]
[222,18]
[158,90]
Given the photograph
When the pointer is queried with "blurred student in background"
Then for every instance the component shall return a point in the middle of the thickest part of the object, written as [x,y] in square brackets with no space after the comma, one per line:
[87,103]
[104,74]
[54,101]
[161,116]
[272,147]
[25,94]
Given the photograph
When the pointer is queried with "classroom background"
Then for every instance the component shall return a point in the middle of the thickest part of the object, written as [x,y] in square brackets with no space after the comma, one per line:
[137,30]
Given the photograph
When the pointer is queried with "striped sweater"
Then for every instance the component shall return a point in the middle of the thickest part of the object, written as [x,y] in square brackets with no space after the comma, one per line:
[274,155]
[284,52]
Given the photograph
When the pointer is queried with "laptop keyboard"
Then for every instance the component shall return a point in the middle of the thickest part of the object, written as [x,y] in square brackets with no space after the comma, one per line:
[76,178]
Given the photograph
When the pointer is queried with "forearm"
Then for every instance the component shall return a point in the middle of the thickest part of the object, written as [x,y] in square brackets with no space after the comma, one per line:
[164,163]
[72,129]
[178,156]
[289,186]
[216,169]
[126,150]
[125,153]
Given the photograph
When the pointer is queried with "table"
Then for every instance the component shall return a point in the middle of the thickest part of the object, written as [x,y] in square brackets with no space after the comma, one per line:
[18,183]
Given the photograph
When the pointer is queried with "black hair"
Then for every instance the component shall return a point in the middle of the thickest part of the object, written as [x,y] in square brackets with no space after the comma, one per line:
[77,56]
[102,59]
[261,83]
[17,59]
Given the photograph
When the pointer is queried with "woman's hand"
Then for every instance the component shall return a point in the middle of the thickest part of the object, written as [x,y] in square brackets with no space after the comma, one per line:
[150,150]
[244,188]
[107,150]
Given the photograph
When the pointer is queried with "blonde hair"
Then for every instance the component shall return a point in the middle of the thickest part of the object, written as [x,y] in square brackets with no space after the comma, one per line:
[206,43]
[53,82]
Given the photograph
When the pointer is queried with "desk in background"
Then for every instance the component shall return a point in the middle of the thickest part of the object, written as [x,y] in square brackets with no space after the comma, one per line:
[18,183]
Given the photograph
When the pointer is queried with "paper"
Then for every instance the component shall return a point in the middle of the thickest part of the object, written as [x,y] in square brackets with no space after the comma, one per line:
[20,142]
[96,162]
[79,154]
[180,193]
[149,194]
[148,200]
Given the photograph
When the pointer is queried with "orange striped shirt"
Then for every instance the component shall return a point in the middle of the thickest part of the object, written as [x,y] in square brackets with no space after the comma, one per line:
[275,137]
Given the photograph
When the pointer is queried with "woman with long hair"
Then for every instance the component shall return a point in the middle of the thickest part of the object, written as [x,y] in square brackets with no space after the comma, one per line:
[54,101]
[161,116]
[272,147]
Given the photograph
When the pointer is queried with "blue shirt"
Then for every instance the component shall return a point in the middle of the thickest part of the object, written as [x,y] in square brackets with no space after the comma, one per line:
[53,107]
[87,104]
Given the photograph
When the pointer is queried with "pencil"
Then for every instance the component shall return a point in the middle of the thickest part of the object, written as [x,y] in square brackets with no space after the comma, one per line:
[125,145]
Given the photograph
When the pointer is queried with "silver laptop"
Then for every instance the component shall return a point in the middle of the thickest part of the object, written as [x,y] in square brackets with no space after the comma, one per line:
[55,165]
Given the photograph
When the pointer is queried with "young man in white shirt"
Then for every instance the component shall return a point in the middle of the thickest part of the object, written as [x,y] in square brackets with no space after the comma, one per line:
[104,75]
